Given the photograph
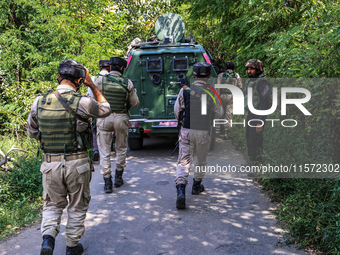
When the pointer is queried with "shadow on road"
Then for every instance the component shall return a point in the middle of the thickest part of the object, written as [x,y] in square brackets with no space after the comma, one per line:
[232,216]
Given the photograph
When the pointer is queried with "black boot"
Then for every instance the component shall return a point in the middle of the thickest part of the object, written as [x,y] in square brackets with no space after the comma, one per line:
[197,187]
[95,156]
[47,245]
[119,178]
[180,202]
[108,185]
[76,250]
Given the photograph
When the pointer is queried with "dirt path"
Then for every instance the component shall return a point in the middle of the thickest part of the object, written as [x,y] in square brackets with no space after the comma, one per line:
[233,216]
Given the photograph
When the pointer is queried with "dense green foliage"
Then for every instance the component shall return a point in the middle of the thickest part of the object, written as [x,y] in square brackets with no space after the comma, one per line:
[20,187]
[36,35]
[293,38]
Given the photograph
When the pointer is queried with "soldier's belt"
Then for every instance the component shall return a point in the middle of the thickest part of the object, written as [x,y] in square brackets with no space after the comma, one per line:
[58,158]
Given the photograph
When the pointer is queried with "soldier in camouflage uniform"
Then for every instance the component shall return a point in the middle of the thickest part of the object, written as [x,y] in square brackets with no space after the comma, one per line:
[59,121]
[228,77]
[261,101]
[194,133]
[121,95]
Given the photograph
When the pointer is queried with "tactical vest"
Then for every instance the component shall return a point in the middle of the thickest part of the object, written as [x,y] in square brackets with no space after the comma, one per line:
[57,127]
[253,82]
[229,77]
[193,119]
[115,90]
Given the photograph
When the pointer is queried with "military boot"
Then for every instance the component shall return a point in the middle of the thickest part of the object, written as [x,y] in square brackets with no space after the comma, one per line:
[108,185]
[197,187]
[47,245]
[96,156]
[180,202]
[76,250]
[119,178]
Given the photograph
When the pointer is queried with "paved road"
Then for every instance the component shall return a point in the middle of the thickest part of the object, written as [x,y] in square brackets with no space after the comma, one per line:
[233,216]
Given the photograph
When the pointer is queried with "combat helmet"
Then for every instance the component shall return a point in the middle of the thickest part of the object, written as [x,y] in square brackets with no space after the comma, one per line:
[118,61]
[256,64]
[230,65]
[202,69]
[104,63]
[72,69]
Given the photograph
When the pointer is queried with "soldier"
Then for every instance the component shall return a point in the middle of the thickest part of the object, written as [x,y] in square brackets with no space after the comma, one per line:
[104,67]
[121,95]
[228,77]
[59,121]
[194,133]
[261,101]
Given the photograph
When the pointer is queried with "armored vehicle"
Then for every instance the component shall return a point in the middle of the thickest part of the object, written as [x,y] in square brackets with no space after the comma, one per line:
[155,67]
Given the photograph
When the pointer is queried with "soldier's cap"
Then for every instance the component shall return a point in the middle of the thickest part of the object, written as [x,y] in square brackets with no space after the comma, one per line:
[255,63]
[202,69]
[72,68]
[104,62]
[230,65]
[118,61]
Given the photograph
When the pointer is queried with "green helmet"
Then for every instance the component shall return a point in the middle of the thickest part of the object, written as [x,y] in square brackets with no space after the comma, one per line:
[256,64]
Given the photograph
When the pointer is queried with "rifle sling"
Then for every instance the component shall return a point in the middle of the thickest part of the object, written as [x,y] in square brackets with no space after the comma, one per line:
[68,108]
[109,77]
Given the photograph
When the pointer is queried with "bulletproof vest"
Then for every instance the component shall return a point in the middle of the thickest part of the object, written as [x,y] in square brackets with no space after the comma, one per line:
[57,127]
[229,77]
[256,96]
[193,119]
[115,90]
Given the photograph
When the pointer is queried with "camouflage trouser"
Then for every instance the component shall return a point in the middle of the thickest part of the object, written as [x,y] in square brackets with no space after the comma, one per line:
[119,123]
[66,183]
[227,102]
[191,142]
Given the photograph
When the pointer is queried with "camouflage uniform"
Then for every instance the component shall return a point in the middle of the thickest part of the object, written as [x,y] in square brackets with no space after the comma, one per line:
[66,177]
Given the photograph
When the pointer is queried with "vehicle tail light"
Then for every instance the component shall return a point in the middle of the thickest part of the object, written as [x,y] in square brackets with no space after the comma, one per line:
[134,124]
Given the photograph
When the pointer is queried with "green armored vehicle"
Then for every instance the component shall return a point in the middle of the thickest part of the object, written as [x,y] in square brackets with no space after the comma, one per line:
[155,68]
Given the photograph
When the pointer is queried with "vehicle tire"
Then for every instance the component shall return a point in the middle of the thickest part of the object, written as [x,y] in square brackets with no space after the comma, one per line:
[135,143]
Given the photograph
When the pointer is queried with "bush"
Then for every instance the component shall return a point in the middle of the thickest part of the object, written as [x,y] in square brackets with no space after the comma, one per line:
[20,189]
